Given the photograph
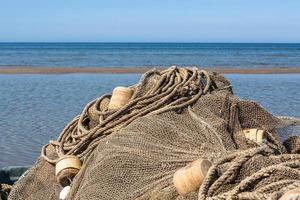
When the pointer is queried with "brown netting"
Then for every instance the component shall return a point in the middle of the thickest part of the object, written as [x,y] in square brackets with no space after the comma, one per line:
[174,117]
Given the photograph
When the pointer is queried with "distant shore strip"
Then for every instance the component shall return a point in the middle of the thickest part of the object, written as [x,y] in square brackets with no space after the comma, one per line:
[136,70]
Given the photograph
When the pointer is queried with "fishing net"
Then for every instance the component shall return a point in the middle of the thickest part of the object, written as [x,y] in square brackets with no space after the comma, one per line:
[174,117]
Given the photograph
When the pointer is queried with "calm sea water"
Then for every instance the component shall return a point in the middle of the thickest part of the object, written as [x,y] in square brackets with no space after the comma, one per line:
[35,108]
[150,54]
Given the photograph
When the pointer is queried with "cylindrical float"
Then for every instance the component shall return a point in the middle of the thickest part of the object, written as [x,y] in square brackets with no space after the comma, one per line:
[66,169]
[120,97]
[190,178]
[64,193]
[256,135]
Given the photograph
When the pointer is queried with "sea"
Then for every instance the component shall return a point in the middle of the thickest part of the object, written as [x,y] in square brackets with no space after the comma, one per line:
[34,108]
[233,55]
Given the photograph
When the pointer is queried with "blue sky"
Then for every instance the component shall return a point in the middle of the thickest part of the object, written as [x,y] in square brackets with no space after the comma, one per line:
[149,21]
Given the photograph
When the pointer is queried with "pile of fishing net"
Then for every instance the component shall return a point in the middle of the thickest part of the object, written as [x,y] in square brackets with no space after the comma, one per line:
[173,118]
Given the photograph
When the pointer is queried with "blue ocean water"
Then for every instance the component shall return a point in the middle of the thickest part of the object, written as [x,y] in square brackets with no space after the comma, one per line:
[35,108]
[227,55]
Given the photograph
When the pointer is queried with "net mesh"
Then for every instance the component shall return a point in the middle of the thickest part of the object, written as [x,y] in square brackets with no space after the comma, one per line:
[138,160]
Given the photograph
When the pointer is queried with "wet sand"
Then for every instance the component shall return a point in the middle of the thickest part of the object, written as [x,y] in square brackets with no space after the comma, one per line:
[129,70]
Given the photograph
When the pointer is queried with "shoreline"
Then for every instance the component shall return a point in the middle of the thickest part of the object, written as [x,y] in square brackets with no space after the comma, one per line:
[137,70]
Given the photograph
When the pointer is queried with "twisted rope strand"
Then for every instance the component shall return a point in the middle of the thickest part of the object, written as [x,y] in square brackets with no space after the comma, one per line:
[289,164]
[174,89]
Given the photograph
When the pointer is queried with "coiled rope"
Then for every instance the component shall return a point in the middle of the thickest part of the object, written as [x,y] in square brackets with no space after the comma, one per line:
[175,89]
[290,164]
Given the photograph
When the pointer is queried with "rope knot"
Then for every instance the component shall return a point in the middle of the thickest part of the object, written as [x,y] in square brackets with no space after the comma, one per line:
[194,88]
[189,90]
[184,91]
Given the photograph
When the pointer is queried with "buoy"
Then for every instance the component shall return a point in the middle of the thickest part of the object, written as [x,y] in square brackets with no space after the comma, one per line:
[66,169]
[256,135]
[120,97]
[291,195]
[64,193]
[190,177]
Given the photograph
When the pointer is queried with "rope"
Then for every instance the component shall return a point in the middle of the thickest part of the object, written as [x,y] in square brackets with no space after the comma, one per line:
[289,164]
[174,90]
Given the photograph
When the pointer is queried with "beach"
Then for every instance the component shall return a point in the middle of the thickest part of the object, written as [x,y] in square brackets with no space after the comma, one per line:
[36,107]
[154,99]
[44,85]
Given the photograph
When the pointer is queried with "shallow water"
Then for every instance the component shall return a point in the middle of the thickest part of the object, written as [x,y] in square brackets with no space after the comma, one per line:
[35,108]
[233,55]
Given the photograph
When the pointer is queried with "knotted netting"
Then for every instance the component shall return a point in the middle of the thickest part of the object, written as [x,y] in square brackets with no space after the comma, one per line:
[174,117]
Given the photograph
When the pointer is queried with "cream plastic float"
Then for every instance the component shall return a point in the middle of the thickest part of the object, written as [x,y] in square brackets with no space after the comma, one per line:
[256,135]
[64,193]
[120,97]
[190,177]
[66,169]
